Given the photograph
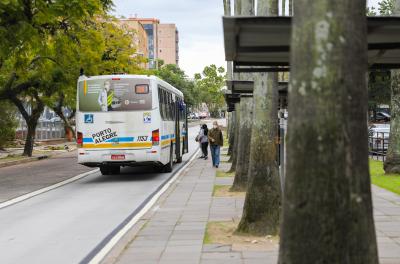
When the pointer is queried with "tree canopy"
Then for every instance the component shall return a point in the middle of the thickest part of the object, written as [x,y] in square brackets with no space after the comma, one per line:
[210,82]
[46,44]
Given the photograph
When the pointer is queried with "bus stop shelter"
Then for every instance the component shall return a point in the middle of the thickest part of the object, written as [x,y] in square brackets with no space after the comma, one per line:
[231,99]
[262,44]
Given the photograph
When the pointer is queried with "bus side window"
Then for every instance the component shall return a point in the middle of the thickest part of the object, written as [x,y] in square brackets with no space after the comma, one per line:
[183,112]
[163,104]
[160,102]
[171,107]
[168,105]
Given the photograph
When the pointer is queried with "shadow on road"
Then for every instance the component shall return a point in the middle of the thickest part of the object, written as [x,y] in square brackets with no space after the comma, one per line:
[129,174]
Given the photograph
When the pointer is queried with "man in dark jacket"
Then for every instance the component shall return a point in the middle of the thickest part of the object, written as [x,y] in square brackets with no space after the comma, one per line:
[216,141]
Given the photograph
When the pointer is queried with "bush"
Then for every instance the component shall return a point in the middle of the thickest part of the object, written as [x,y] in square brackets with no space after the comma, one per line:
[8,123]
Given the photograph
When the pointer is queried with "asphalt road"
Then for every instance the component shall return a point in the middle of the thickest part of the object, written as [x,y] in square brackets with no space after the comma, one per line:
[65,224]
[28,177]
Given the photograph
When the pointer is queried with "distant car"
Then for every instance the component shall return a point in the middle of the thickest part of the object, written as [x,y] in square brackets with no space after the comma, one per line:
[382,117]
[378,139]
[55,119]
[203,115]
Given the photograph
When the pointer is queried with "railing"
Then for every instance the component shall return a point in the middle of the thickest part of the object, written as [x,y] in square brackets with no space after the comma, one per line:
[378,143]
[45,130]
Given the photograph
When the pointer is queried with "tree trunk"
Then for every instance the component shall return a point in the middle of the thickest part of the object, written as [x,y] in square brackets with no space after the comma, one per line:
[232,132]
[247,8]
[236,137]
[392,162]
[66,120]
[30,119]
[227,7]
[243,147]
[283,7]
[231,117]
[261,212]
[238,7]
[290,7]
[327,210]
[30,137]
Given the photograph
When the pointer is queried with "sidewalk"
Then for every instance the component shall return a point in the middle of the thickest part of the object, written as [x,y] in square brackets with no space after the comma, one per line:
[173,231]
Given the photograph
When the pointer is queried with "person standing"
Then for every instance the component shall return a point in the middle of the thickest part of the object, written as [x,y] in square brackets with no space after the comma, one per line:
[203,138]
[216,142]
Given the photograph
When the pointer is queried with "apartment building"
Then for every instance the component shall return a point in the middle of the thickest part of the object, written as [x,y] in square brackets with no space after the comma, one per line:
[162,40]
[140,39]
[168,43]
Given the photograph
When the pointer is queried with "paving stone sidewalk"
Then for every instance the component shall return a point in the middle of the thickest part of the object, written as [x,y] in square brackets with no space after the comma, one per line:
[173,231]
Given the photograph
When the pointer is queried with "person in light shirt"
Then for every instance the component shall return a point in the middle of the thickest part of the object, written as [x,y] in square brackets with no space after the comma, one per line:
[105,97]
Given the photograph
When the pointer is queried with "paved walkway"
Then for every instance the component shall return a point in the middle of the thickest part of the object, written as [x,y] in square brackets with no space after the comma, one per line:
[173,231]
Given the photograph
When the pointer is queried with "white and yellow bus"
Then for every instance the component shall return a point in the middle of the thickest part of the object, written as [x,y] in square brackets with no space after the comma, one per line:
[129,120]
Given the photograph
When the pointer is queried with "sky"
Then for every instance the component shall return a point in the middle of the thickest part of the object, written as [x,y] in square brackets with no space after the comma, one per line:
[198,21]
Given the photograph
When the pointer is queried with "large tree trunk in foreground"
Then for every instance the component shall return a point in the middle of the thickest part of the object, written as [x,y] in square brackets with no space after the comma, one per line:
[327,214]
[262,207]
[392,162]
[243,148]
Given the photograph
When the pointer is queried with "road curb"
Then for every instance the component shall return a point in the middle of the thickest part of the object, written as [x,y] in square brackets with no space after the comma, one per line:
[22,161]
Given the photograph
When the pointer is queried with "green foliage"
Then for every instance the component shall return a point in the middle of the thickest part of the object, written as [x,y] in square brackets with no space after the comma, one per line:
[389,182]
[385,8]
[173,75]
[7,123]
[379,82]
[45,44]
[221,173]
[210,83]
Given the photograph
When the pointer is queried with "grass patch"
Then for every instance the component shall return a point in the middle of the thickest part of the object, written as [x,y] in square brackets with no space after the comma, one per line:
[224,233]
[390,182]
[224,191]
[226,141]
[12,158]
[216,189]
[221,173]
[207,238]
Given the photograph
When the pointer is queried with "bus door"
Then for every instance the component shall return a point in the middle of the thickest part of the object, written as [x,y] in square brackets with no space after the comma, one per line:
[178,151]
[186,128]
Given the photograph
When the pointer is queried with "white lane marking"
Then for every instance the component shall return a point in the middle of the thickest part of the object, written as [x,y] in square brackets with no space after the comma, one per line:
[46,189]
[113,241]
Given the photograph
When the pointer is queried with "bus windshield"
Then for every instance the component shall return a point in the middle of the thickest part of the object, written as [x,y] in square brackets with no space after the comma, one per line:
[104,95]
